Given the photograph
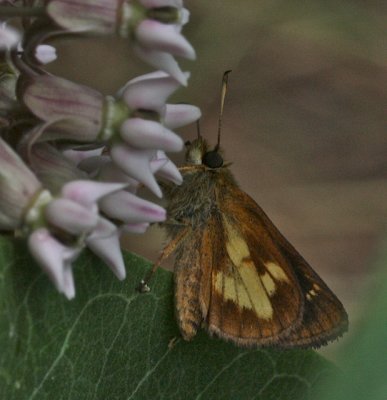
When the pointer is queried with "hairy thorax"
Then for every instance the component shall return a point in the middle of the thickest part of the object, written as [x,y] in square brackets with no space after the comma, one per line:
[194,200]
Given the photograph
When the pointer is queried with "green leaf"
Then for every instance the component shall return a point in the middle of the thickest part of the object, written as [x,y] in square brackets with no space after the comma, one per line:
[364,358]
[112,343]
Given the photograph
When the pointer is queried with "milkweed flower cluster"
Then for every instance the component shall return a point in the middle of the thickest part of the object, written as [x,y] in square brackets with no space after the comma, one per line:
[71,158]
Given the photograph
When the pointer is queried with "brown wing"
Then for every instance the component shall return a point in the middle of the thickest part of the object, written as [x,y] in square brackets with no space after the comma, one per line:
[254,296]
[235,293]
[324,318]
[192,274]
[263,292]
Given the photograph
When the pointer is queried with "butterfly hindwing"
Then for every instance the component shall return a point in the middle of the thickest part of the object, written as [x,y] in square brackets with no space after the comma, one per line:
[194,261]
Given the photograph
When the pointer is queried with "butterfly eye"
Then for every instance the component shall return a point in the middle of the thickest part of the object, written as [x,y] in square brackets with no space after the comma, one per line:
[212,159]
[187,143]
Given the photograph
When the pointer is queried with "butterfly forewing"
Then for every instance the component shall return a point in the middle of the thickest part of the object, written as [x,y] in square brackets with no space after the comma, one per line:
[255,297]
[324,316]
[283,289]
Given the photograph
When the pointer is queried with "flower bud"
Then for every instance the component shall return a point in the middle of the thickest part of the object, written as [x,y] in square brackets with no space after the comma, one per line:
[154,26]
[51,167]
[136,163]
[55,259]
[70,216]
[135,228]
[104,242]
[75,110]
[168,170]
[92,16]
[178,115]
[18,187]
[145,134]
[149,91]
[45,53]
[165,38]
[129,208]
[9,37]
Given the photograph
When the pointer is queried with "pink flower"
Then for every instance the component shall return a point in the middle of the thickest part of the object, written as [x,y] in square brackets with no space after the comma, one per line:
[178,115]
[130,209]
[55,259]
[18,185]
[137,155]
[9,37]
[76,213]
[74,112]
[155,27]
[45,53]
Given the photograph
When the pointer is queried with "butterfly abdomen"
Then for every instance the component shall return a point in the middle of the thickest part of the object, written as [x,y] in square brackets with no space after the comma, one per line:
[187,288]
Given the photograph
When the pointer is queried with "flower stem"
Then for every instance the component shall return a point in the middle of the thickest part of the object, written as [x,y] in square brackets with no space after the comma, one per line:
[10,12]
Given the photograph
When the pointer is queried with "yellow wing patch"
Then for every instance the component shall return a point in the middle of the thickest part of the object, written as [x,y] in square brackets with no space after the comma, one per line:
[243,284]
[276,272]
[236,247]
[268,283]
[247,290]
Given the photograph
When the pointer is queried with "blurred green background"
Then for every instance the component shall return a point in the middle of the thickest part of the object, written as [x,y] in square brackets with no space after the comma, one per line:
[304,125]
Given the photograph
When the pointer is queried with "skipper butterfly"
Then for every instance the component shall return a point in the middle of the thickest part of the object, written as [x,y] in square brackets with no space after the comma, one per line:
[235,273]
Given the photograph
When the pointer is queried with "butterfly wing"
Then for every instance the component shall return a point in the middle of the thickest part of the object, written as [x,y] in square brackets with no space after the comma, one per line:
[324,318]
[192,274]
[262,291]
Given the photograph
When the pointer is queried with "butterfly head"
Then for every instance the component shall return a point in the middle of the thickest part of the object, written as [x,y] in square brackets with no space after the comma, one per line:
[198,153]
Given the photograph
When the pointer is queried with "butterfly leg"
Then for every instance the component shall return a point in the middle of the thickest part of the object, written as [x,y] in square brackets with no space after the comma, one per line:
[166,252]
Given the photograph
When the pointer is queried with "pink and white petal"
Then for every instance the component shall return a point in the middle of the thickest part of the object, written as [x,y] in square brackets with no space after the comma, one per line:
[146,134]
[164,37]
[111,173]
[105,243]
[135,228]
[65,103]
[55,259]
[94,16]
[169,170]
[70,216]
[157,164]
[178,115]
[146,77]
[45,53]
[162,60]
[150,94]
[9,37]
[68,281]
[184,16]
[88,192]
[129,208]
[135,163]
[76,156]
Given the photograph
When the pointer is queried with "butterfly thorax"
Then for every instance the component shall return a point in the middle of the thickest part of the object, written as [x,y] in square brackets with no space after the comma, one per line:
[192,202]
[195,199]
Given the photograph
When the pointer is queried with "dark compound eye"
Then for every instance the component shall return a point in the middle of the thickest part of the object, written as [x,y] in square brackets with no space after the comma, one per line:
[212,159]
[187,143]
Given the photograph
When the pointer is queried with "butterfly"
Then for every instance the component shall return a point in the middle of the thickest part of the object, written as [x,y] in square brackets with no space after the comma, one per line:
[235,274]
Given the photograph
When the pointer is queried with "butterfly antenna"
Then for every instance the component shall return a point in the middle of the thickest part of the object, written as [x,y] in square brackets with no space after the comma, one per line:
[222,98]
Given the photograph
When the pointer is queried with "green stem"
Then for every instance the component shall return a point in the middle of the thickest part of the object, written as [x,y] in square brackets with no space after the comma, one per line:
[9,12]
